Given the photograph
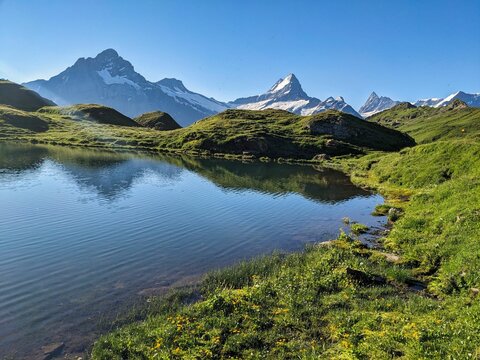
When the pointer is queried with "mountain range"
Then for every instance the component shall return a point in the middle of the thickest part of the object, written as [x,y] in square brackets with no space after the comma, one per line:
[110,80]
[376,104]
[287,94]
[472,100]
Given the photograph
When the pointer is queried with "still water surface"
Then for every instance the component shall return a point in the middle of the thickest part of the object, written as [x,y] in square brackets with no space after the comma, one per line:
[84,232]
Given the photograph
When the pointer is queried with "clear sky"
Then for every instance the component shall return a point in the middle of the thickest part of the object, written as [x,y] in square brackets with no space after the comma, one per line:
[228,49]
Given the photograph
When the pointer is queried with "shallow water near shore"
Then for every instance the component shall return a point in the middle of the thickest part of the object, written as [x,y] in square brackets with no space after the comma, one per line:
[86,232]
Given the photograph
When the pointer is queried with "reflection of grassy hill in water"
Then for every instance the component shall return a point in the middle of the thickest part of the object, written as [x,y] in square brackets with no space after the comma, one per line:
[111,174]
[323,185]
[17,158]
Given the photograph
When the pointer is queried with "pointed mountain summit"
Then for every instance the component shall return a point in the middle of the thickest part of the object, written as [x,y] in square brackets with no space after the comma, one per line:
[375,104]
[110,80]
[287,94]
[289,86]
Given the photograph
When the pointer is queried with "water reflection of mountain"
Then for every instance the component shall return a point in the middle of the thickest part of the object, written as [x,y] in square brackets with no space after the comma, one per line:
[111,175]
[324,185]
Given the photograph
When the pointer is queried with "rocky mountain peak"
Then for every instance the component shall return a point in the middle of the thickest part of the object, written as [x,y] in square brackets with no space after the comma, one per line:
[289,87]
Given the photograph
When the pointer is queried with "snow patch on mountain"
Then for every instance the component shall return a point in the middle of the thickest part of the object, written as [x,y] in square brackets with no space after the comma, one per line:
[109,79]
[181,94]
[472,100]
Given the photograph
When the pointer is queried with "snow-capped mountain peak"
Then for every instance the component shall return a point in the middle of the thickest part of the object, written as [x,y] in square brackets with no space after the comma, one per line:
[110,80]
[375,104]
[287,94]
[285,84]
[472,100]
[287,88]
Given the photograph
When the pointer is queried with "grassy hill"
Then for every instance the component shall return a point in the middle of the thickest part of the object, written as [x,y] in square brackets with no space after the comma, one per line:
[13,121]
[426,124]
[271,133]
[158,120]
[90,112]
[20,97]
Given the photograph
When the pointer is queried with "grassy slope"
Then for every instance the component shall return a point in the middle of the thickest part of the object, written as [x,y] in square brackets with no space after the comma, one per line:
[312,304]
[20,97]
[427,124]
[272,133]
[90,112]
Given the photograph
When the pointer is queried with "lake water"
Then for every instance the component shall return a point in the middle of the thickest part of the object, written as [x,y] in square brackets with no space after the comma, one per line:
[84,232]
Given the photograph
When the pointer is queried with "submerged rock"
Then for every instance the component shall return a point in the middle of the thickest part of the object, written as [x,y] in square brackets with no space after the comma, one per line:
[52,350]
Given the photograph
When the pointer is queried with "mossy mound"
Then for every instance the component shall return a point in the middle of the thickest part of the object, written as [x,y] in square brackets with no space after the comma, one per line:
[20,97]
[158,120]
[348,128]
[279,133]
[91,112]
[22,119]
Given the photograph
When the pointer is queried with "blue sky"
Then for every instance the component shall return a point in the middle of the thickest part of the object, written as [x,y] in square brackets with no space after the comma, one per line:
[228,49]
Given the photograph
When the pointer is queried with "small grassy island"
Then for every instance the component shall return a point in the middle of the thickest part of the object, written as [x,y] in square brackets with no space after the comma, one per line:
[416,295]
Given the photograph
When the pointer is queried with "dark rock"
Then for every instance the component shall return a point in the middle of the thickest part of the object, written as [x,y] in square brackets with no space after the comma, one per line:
[364,278]
[52,350]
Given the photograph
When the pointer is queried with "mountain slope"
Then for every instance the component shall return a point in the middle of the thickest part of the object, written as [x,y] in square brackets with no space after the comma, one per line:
[472,100]
[427,124]
[21,98]
[91,112]
[110,80]
[287,94]
[375,104]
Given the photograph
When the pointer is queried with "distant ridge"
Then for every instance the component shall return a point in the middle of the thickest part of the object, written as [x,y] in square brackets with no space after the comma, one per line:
[287,94]
[375,104]
[110,80]
[472,100]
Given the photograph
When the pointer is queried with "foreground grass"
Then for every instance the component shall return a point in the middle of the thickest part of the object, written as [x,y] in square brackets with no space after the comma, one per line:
[343,300]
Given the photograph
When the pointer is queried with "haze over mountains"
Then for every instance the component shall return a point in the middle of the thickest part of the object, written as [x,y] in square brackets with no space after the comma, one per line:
[110,80]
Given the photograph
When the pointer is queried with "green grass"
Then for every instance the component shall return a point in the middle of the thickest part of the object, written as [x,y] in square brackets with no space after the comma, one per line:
[358,228]
[20,97]
[426,124]
[335,301]
[308,305]
[270,133]
[342,300]
[90,112]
